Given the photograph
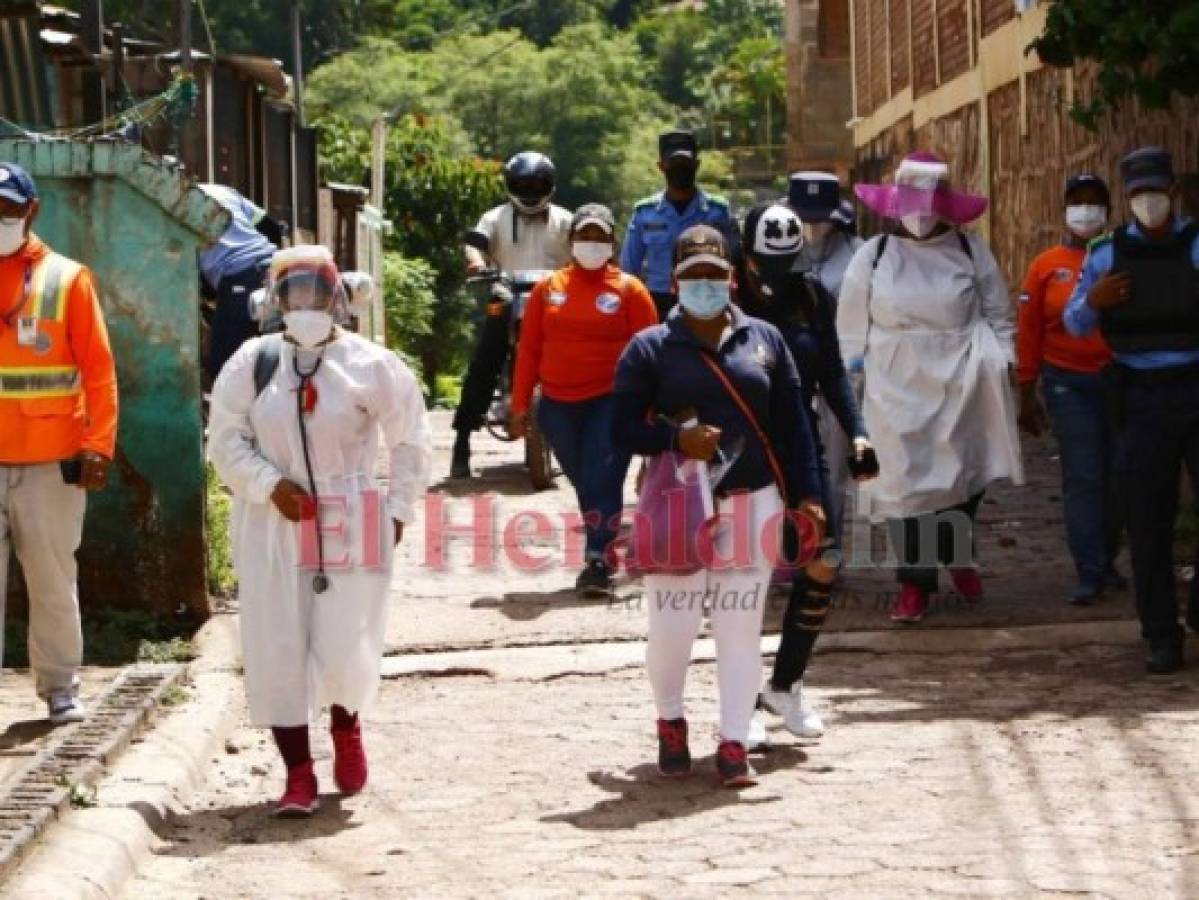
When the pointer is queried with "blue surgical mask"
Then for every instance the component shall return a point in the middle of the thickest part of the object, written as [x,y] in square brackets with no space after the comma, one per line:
[704,299]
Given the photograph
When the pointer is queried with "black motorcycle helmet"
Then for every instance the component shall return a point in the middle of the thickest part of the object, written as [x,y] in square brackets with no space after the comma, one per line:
[529,177]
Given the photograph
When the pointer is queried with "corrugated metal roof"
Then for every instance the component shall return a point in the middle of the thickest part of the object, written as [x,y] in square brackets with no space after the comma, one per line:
[24,90]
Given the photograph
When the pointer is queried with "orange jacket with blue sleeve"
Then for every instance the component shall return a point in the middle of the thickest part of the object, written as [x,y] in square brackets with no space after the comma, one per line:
[58,382]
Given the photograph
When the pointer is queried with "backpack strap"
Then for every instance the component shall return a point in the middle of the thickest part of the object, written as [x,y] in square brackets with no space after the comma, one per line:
[965,242]
[879,250]
[266,363]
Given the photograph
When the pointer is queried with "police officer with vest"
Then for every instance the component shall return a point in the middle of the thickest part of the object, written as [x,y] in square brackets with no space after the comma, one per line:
[1140,286]
[658,220]
[58,427]
[527,232]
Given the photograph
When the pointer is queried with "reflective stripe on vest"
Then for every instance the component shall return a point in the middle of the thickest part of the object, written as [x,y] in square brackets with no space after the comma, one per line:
[52,282]
[28,383]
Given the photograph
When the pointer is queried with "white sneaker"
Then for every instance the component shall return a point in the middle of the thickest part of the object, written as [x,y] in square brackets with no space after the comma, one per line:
[756,739]
[64,707]
[800,720]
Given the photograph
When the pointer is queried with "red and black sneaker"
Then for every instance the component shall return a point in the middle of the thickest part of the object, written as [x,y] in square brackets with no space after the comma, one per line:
[674,757]
[300,799]
[349,758]
[732,766]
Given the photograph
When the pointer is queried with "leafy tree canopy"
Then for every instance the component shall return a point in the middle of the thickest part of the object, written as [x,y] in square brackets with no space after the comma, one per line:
[1146,51]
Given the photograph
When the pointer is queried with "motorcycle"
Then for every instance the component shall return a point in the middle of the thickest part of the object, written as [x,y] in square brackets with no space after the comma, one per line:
[512,289]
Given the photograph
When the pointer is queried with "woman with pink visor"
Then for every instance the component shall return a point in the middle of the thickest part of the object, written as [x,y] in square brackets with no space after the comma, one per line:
[925,311]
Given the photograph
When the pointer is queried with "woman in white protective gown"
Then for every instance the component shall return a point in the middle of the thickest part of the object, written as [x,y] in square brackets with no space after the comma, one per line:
[295,416]
[926,310]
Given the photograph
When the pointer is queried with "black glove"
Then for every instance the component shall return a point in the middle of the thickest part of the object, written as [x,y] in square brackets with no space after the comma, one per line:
[866,467]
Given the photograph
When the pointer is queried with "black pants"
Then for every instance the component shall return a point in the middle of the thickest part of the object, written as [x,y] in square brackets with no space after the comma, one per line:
[664,301]
[231,324]
[921,543]
[486,363]
[1158,435]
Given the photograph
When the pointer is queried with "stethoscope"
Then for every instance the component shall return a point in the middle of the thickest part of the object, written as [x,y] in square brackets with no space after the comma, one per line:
[320,582]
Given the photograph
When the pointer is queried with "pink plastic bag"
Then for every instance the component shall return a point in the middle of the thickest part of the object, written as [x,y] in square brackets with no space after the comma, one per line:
[672,512]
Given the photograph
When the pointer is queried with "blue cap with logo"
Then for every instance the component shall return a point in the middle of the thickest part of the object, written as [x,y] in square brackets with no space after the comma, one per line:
[15,184]
[814,196]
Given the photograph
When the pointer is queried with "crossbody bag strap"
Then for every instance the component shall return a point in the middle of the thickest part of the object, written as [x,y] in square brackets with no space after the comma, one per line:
[748,413]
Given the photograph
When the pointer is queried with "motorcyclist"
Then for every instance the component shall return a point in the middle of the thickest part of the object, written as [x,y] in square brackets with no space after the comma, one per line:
[527,232]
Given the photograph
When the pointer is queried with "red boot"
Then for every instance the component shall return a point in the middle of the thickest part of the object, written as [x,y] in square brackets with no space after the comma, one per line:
[967,582]
[349,758]
[300,799]
[910,605]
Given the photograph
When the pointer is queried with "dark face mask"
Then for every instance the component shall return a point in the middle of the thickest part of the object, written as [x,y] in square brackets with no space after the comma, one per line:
[681,175]
[773,274]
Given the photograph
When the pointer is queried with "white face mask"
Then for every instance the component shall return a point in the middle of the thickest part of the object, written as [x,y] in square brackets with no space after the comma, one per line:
[12,236]
[1086,221]
[591,254]
[308,327]
[1152,208]
[704,299]
[920,225]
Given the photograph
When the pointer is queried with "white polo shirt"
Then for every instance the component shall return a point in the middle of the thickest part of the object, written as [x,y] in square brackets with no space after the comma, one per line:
[542,241]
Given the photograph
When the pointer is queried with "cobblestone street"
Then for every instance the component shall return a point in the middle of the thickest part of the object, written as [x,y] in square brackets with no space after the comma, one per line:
[513,749]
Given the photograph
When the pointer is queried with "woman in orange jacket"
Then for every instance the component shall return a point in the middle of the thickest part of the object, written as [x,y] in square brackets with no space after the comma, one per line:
[577,324]
[1069,371]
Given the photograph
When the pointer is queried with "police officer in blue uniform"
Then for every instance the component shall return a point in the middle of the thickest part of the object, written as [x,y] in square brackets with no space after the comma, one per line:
[1140,286]
[658,220]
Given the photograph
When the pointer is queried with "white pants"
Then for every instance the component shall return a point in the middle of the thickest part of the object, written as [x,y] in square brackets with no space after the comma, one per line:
[41,517]
[736,600]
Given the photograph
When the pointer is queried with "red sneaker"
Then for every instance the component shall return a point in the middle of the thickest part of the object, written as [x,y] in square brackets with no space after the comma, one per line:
[732,766]
[300,800]
[349,758]
[967,582]
[910,605]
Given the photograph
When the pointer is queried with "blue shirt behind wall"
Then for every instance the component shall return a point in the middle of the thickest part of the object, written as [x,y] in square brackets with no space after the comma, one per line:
[241,246]
[1081,318]
[648,250]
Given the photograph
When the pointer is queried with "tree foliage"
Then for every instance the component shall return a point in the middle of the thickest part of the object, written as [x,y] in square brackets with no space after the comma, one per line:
[1148,51]
[581,99]
[433,193]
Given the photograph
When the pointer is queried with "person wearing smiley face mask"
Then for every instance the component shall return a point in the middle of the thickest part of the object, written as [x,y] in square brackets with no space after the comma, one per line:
[1069,371]
[797,304]
[577,323]
[927,311]
[1140,288]
[58,432]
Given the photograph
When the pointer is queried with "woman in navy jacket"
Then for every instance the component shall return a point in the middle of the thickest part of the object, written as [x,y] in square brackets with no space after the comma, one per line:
[691,384]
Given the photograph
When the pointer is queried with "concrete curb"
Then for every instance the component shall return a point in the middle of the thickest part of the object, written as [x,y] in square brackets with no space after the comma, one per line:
[556,661]
[92,853]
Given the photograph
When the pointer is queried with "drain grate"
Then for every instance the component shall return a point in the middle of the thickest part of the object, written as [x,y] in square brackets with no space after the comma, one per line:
[76,755]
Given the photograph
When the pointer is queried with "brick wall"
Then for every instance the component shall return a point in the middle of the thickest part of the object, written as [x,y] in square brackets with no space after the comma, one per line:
[900,46]
[924,58]
[953,38]
[1027,171]
[996,13]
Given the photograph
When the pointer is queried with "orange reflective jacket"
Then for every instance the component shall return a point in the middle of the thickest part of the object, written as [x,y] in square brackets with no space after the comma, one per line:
[58,383]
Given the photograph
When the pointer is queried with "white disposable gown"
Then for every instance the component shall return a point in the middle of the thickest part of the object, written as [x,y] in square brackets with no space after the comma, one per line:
[301,649]
[937,330]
